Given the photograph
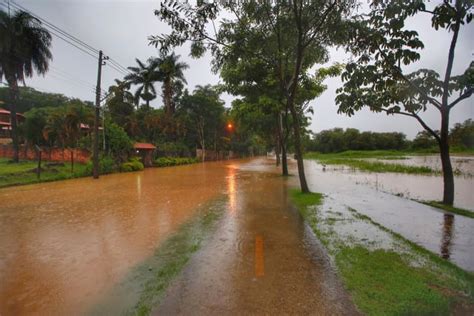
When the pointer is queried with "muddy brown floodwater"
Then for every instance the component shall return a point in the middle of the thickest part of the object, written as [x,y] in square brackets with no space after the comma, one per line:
[64,245]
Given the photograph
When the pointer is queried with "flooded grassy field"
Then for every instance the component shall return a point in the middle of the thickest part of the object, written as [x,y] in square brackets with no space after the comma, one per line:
[385,198]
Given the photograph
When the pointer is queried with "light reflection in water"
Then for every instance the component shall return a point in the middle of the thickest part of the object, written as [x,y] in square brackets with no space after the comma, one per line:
[231,189]
[139,186]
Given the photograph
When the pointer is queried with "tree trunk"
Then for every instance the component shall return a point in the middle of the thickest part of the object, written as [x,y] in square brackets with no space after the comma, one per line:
[13,84]
[277,149]
[298,150]
[203,151]
[448,177]
[72,160]
[167,96]
[284,161]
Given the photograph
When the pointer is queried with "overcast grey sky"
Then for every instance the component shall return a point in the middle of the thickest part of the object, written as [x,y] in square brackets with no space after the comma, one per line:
[121,28]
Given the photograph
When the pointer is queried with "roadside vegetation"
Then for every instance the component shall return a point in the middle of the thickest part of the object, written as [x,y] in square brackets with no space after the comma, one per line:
[448,208]
[174,161]
[142,289]
[385,273]
[24,172]
[339,140]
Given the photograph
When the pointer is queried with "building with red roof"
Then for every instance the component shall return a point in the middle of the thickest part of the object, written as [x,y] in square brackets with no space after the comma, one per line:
[145,151]
[5,122]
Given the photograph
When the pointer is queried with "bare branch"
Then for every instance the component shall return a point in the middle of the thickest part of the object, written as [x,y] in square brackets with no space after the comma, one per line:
[465,95]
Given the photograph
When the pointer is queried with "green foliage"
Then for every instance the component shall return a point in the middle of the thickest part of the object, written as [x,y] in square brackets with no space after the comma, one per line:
[173,161]
[30,98]
[203,111]
[424,140]
[106,165]
[134,164]
[382,43]
[35,122]
[171,73]
[462,135]
[338,139]
[118,142]
[144,76]
[25,47]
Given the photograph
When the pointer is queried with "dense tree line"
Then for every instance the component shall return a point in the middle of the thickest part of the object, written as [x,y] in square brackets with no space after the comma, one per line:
[338,139]
[461,137]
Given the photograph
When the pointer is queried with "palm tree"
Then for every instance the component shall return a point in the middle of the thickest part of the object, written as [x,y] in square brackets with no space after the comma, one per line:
[24,47]
[120,91]
[171,72]
[144,76]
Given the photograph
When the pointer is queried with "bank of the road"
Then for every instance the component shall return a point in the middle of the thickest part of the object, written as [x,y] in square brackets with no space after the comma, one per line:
[26,171]
[385,273]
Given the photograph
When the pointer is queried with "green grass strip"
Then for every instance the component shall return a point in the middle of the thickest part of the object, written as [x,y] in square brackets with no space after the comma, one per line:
[13,174]
[383,282]
[449,208]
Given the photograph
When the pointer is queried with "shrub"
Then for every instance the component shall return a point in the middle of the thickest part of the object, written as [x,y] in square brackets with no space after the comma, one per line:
[106,165]
[133,164]
[174,161]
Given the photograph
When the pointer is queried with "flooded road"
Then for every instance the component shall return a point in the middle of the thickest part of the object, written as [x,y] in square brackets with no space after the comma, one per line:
[65,245]
[262,259]
[450,236]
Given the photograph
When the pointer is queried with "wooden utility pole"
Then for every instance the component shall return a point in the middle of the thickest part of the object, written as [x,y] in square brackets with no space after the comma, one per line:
[95,172]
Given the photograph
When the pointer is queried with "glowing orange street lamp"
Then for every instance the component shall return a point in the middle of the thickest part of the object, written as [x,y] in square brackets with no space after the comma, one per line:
[229,126]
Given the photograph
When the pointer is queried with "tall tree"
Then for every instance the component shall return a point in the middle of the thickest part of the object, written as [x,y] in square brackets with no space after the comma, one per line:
[377,79]
[24,49]
[171,73]
[204,110]
[144,76]
[295,33]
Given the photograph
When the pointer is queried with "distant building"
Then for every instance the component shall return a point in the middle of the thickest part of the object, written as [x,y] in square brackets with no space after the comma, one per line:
[145,151]
[6,124]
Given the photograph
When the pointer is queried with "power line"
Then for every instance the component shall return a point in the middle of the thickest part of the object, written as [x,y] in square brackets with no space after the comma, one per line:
[58,29]
[119,65]
[52,31]
[73,41]
[67,37]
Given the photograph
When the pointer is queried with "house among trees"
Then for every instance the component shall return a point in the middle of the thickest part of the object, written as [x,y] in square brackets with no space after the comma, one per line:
[5,123]
[145,151]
